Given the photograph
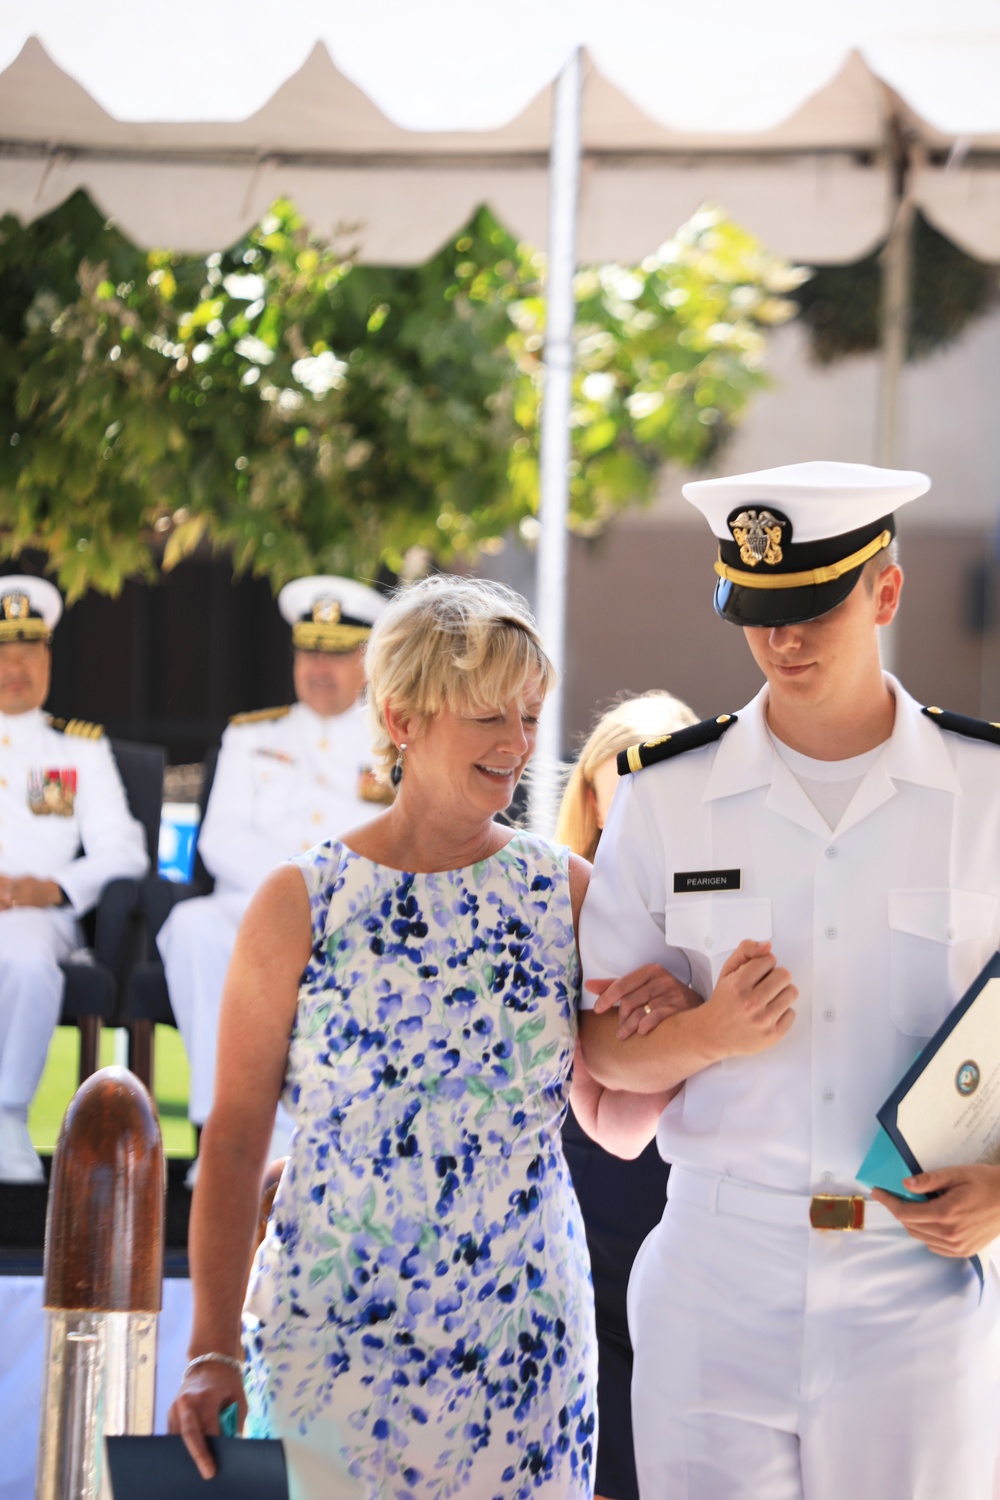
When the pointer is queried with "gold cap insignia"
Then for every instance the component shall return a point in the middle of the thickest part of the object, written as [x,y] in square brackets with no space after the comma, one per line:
[326,611]
[16,606]
[758,536]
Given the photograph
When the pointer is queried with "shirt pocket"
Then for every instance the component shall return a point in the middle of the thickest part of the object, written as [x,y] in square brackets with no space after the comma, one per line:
[938,942]
[708,930]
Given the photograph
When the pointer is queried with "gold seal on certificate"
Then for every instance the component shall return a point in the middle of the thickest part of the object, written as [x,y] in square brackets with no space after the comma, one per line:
[945,1111]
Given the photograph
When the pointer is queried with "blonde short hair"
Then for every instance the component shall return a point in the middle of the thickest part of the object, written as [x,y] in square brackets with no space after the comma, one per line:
[629,721]
[450,642]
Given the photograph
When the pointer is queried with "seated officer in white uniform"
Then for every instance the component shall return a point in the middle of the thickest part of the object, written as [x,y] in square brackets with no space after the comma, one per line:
[824,867]
[286,779]
[65,831]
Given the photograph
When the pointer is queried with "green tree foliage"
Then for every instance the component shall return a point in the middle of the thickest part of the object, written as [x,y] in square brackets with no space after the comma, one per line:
[841,305]
[306,413]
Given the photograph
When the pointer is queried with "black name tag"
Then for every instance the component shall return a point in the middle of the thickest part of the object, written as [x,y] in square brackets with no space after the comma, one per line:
[707,880]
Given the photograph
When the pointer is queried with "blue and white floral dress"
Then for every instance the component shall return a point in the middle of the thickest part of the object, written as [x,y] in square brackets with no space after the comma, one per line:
[419,1322]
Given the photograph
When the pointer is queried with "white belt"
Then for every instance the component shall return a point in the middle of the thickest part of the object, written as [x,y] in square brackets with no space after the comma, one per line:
[724,1195]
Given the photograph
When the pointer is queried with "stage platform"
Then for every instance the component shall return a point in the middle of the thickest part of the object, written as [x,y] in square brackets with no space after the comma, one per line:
[22,1223]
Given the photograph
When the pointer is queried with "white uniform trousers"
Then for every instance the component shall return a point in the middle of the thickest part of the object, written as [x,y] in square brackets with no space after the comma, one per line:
[783,1363]
[196,943]
[33,940]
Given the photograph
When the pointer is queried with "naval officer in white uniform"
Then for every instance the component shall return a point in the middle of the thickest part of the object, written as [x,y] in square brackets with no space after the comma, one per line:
[65,831]
[855,838]
[286,779]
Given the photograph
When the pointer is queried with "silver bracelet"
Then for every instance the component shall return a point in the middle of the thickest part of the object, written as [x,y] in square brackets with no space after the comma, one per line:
[213,1358]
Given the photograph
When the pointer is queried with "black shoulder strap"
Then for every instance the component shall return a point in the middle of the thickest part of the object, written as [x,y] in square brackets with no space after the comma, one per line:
[973,729]
[636,757]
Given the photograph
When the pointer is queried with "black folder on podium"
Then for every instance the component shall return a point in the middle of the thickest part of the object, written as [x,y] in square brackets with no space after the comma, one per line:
[161,1468]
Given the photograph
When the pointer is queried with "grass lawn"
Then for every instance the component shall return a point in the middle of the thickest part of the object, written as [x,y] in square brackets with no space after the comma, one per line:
[59,1081]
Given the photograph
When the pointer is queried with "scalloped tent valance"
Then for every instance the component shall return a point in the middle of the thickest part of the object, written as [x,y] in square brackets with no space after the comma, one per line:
[185,135]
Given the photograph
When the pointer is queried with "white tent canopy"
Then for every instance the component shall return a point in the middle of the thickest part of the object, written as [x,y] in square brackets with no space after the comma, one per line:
[794,126]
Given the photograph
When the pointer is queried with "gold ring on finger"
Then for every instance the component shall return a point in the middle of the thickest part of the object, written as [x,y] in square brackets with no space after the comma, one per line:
[647,1009]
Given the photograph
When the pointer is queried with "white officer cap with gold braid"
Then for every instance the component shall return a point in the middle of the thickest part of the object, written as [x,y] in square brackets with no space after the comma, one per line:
[793,540]
[328,613]
[30,609]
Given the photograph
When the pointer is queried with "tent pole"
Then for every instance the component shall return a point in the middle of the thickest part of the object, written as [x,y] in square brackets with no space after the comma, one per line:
[897,280]
[897,273]
[552,554]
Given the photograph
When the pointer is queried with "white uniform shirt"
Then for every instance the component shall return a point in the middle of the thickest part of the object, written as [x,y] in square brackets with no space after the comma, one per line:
[281,786]
[60,793]
[883,922]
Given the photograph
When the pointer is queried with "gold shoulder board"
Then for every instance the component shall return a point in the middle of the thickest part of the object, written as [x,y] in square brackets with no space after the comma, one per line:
[261,715]
[78,727]
[972,729]
[649,752]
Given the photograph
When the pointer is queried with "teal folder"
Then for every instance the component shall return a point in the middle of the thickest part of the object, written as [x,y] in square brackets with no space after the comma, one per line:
[883,1167]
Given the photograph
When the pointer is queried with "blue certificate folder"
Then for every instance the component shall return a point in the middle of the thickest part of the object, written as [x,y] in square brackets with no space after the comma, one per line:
[891,1158]
[887,1115]
[160,1468]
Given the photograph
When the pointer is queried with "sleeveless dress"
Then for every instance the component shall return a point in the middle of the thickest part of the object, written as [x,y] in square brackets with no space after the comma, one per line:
[419,1322]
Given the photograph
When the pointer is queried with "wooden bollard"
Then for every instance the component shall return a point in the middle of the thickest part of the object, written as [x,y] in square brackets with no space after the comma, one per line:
[103,1283]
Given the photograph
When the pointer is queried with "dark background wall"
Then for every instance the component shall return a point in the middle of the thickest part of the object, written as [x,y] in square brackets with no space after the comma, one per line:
[171,664]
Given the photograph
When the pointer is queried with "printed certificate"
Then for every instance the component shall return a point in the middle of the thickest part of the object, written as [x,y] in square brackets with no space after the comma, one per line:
[945,1110]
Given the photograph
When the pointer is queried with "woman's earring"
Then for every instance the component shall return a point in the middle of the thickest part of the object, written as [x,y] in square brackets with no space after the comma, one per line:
[396,774]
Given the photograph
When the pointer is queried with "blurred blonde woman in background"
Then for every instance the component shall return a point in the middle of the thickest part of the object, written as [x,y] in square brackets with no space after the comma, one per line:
[593,779]
[621,1200]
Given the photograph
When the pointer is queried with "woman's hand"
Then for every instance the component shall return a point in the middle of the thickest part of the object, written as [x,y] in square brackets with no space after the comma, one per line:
[644,998]
[750,1008]
[205,1391]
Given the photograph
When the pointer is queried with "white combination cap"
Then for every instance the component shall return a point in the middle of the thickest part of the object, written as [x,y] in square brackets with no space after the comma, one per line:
[327,613]
[30,608]
[793,540]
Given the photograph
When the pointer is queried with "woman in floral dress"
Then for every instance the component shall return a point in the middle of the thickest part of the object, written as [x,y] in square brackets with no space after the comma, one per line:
[419,1320]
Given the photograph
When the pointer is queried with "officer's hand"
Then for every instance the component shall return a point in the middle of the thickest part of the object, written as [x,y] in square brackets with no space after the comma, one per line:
[6,893]
[644,998]
[964,1216]
[750,1007]
[25,890]
[204,1393]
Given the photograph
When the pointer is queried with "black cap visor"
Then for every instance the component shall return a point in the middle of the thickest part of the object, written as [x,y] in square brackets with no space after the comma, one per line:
[764,608]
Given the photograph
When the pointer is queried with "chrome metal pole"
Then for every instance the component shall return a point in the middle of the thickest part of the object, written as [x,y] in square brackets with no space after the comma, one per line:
[551,557]
[100,1381]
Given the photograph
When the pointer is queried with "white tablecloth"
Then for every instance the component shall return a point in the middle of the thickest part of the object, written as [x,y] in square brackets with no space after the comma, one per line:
[22,1333]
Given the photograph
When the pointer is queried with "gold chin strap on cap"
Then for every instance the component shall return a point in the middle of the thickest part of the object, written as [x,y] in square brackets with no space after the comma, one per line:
[829,574]
[314,635]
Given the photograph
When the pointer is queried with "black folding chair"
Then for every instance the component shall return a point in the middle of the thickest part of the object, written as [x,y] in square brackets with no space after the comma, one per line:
[147,1000]
[113,929]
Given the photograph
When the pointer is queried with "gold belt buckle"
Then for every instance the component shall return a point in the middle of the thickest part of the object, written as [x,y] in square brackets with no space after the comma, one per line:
[827,1211]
